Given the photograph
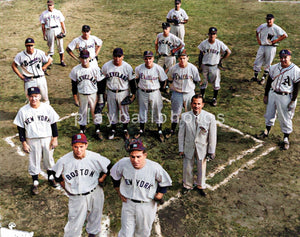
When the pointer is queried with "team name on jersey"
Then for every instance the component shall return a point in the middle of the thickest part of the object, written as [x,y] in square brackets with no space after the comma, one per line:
[117,74]
[87,77]
[177,76]
[86,47]
[139,183]
[32,62]
[211,51]
[52,16]
[148,77]
[80,172]
[43,118]
[165,42]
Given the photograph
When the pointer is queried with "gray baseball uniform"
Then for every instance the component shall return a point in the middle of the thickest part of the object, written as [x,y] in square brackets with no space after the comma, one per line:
[178,27]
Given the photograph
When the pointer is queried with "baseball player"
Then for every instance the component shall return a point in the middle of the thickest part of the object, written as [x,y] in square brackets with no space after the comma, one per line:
[212,52]
[31,63]
[140,183]
[177,17]
[150,78]
[81,173]
[85,88]
[53,27]
[166,45]
[268,36]
[197,139]
[37,128]
[281,95]
[86,41]
[119,77]
[184,76]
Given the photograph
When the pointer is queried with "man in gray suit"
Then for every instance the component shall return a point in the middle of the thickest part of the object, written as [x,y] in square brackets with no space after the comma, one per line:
[197,139]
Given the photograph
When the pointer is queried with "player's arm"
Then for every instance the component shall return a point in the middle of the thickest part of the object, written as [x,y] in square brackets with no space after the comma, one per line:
[181,45]
[22,138]
[200,58]
[267,89]
[63,27]
[116,184]
[97,51]
[133,87]
[226,54]
[282,37]
[170,20]
[54,142]
[103,175]
[44,32]
[47,64]
[156,45]
[181,136]
[74,92]
[292,103]
[16,70]
[257,38]
[70,52]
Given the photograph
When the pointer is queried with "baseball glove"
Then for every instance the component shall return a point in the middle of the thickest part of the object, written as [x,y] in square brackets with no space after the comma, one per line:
[159,201]
[60,35]
[99,107]
[220,66]
[127,100]
[176,22]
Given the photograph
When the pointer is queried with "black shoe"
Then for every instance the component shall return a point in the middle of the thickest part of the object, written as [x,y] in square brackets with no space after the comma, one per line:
[262,81]
[214,102]
[263,135]
[170,134]
[62,63]
[201,192]
[185,191]
[111,134]
[126,134]
[98,135]
[161,137]
[139,134]
[52,183]
[254,79]
[34,190]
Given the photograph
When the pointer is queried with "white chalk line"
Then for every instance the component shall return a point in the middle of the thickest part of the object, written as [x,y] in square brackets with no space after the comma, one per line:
[105,222]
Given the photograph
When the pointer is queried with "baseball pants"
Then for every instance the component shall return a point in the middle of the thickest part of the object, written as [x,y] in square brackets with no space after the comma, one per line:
[51,37]
[85,101]
[137,218]
[114,107]
[265,56]
[211,74]
[156,104]
[41,83]
[188,176]
[40,149]
[179,100]
[277,105]
[81,208]
[178,31]
[166,62]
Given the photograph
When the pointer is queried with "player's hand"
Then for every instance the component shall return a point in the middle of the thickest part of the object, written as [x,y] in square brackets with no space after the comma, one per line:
[159,198]
[124,199]
[76,103]
[26,147]
[45,37]
[291,105]
[181,154]
[132,98]
[53,143]
[266,99]
[210,156]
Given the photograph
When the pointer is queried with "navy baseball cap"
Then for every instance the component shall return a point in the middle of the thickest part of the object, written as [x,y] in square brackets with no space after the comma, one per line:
[269,16]
[148,54]
[50,3]
[79,138]
[33,90]
[118,52]
[177,1]
[86,28]
[212,30]
[284,52]
[165,25]
[136,145]
[29,41]
[84,53]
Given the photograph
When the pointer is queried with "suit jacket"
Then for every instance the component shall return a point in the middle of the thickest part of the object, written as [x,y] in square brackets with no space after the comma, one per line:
[202,138]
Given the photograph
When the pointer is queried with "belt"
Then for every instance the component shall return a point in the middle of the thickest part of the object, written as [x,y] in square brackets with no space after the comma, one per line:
[85,94]
[281,93]
[116,91]
[34,76]
[209,65]
[83,194]
[148,91]
[137,201]
[53,27]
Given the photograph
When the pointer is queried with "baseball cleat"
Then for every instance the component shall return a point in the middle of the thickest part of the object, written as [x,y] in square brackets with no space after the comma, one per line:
[126,134]
[34,189]
[286,144]
[139,134]
[185,191]
[98,135]
[111,134]
[201,192]
[52,183]
[63,64]
[214,102]
[254,79]
[161,137]
[170,134]
[264,134]
[262,81]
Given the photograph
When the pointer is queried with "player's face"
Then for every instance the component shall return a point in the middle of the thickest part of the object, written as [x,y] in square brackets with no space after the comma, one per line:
[29,49]
[79,150]
[270,21]
[149,62]
[50,8]
[285,61]
[85,62]
[212,37]
[183,60]
[166,31]
[34,100]
[138,159]
[197,105]
[118,60]
[177,6]
[86,35]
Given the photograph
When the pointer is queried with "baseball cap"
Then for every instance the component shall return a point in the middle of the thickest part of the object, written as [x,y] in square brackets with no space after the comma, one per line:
[148,54]
[50,2]
[29,41]
[136,145]
[79,138]
[212,30]
[86,28]
[165,25]
[284,52]
[183,53]
[118,52]
[269,16]
[177,1]
[84,53]
[33,90]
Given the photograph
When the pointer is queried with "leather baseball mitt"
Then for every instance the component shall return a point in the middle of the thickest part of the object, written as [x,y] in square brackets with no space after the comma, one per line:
[99,107]
[60,35]
[127,100]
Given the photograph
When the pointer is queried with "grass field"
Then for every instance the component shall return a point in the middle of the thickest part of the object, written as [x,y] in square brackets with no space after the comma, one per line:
[260,201]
